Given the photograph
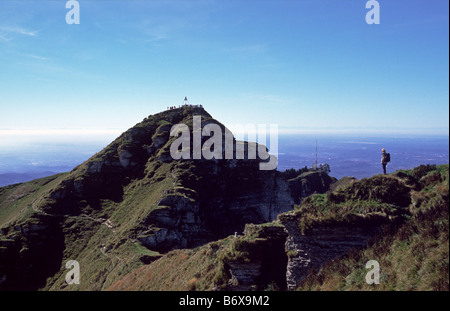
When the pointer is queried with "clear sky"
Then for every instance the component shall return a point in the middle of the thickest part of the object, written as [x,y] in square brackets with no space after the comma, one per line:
[309,65]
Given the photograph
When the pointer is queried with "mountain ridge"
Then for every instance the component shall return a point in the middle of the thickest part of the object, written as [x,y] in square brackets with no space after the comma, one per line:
[132,198]
[131,211]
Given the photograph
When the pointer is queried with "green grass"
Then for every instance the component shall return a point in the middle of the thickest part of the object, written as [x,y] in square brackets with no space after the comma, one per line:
[124,198]
[16,200]
[413,255]
[139,249]
[376,199]
[187,269]
[200,268]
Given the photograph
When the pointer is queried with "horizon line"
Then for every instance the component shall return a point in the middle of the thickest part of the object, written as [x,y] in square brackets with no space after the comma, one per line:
[286,130]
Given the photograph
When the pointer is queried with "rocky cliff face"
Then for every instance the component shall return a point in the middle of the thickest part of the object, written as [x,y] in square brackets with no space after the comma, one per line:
[308,183]
[327,227]
[133,200]
[279,255]
[257,260]
[208,199]
[310,250]
[228,195]
[151,199]
[29,252]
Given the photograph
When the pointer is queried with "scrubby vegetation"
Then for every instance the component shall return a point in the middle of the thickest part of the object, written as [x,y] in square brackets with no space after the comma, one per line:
[371,199]
[412,250]
[100,215]
[208,267]
[292,172]
[186,269]
[413,254]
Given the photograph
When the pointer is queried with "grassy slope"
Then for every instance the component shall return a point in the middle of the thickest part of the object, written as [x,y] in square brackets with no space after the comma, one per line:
[187,269]
[201,268]
[17,201]
[372,199]
[105,253]
[413,255]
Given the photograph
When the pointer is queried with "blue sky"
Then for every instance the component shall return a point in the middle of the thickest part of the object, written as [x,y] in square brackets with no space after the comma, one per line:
[312,65]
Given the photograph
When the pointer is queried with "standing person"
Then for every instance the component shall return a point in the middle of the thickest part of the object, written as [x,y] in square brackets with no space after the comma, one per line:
[385,159]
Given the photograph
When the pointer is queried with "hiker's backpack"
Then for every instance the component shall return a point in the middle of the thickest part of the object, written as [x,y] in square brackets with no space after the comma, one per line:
[388,157]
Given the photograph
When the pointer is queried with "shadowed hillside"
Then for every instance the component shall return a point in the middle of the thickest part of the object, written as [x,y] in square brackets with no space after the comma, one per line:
[400,220]
[129,204]
[135,219]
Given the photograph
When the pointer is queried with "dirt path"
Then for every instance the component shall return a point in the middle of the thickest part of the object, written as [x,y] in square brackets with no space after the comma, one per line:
[107,222]
[34,208]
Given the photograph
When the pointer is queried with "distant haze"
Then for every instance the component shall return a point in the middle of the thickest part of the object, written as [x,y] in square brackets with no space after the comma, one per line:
[348,155]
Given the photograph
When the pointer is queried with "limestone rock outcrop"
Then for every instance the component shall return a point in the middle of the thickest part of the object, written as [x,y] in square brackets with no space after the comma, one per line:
[219,204]
[207,199]
[311,249]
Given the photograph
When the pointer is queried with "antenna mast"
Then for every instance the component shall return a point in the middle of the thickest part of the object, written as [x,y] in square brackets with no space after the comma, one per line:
[316,154]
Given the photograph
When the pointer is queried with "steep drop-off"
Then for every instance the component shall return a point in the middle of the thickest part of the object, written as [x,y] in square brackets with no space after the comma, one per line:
[135,218]
[131,202]
[399,220]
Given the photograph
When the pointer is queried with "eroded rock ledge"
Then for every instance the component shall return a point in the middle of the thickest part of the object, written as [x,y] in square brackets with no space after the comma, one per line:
[279,255]
[314,247]
[256,260]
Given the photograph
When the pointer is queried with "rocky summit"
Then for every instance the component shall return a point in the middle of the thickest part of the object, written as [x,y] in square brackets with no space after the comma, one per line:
[134,218]
[134,197]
